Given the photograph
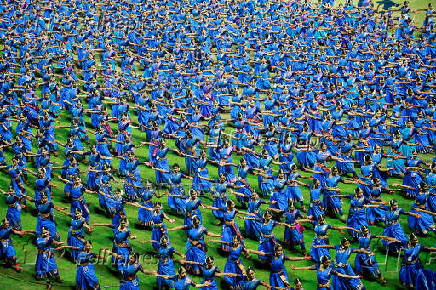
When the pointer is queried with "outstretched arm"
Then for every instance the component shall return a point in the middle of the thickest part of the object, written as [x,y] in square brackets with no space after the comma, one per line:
[324,246]
[346,276]
[177,228]
[302,268]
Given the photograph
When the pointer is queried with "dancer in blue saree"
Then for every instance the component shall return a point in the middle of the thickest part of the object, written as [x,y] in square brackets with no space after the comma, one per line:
[46,218]
[159,228]
[195,246]
[7,250]
[413,175]
[278,276]
[357,213]
[251,283]
[165,266]
[375,215]
[331,203]
[219,195]
[279,198]
[242,185]
[130,268]
[395,161]
[343,253]
[267,240]
[85,273]
[76,237]
[315,207]
[364,263]
[230,228]
[293,234]
[162,166]
[393,228]
[234,264]
[145,216]
[293,191]
[17,183]
[423,224]
[305,156]
[324,273]
[321,238]
[183,281]
[431,183]
[45,262]
[177,194]
[201,185]
[13,213]
[252,224]
[78,199]
[412,274]
[210,271]
[121,244]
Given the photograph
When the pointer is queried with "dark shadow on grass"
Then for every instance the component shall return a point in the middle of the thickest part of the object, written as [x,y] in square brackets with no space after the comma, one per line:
[100,211]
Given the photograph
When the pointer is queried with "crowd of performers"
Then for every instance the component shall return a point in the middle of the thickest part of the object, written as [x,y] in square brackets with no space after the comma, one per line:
[276,90]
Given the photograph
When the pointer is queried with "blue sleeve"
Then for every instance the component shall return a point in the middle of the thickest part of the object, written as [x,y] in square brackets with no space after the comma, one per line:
[40,242]
[139,268]
[298,214]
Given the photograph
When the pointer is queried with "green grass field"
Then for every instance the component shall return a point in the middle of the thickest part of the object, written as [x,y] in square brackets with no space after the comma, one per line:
[101,237]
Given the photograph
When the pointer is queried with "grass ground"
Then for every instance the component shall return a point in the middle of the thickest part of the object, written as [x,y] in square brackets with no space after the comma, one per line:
[101,237]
